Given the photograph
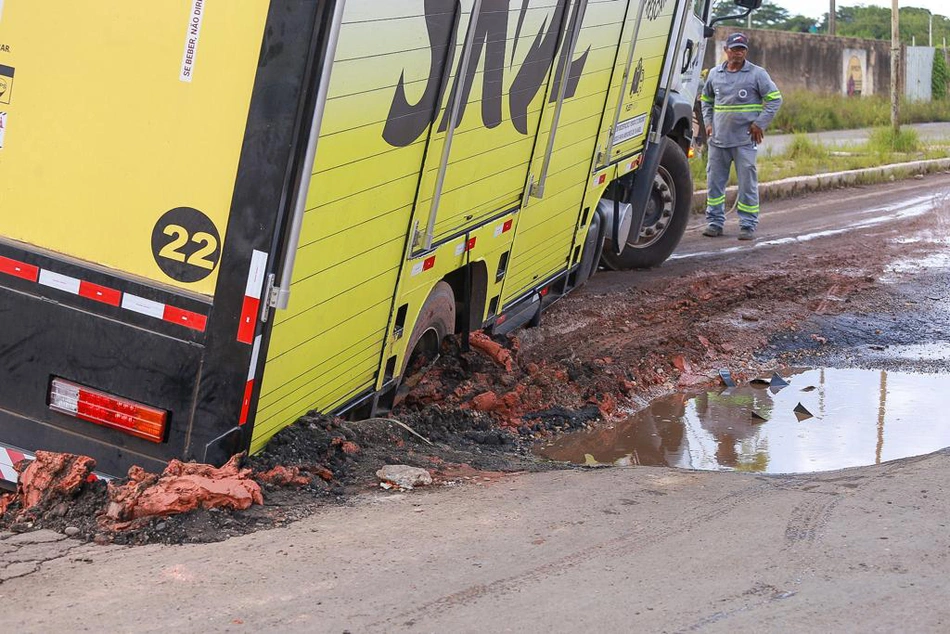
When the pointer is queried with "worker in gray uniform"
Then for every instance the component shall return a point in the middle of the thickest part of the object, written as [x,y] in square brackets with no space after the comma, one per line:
[739,101]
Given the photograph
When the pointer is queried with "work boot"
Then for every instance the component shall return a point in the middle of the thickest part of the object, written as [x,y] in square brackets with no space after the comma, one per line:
[746,234]
[712,231]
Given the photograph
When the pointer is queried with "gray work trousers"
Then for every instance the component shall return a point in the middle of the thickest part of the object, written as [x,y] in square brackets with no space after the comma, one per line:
[717,175]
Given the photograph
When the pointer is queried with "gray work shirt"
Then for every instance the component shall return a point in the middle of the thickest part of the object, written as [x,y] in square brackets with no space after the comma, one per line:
[733,101]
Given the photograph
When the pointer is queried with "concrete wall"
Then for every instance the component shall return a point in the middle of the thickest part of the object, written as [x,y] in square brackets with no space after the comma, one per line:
[819,63]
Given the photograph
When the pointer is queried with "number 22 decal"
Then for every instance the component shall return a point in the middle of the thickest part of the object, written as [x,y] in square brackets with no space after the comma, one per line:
[186,244]
[172,250]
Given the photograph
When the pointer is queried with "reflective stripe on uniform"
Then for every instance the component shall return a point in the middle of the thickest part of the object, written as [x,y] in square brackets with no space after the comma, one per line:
[749,209]
[721,200]
[772,96]
[752,107]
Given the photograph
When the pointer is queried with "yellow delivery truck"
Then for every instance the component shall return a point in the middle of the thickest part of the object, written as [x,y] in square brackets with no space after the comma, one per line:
[216,216]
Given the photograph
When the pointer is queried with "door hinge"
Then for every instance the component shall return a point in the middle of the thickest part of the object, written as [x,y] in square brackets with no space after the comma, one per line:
[271,297]
[416,236]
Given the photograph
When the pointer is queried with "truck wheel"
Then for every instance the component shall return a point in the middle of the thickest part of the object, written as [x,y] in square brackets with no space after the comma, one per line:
[436,322]
[666,215]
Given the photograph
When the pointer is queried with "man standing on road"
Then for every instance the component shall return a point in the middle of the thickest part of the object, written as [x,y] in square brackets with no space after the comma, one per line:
[739,101]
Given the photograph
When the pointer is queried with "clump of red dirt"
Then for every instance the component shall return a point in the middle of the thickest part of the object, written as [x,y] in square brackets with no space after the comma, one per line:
[52,479]
[181,488]
[60,492]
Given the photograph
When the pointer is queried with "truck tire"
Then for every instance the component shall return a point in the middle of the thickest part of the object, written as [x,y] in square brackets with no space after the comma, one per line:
[666,215]
[436,322]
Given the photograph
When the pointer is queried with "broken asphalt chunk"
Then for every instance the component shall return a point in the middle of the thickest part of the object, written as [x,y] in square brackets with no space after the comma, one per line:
[810,388]
[802,413]
[726,377]
[759,382]
[757,417]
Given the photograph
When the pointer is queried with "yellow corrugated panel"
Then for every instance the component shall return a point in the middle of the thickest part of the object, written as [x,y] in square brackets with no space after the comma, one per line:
[302,375]
[340,385]
[109,124]
[326,347]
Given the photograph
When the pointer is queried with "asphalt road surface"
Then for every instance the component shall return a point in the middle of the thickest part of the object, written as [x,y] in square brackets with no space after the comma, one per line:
[928,133]
[622,549]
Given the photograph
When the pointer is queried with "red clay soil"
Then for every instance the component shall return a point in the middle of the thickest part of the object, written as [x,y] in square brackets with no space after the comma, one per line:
[51,479]
[599,353]
[614,350]
[181,488]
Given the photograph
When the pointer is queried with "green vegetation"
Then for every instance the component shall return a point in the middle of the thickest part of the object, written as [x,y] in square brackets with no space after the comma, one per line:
[872,23]
[804,111]
[941,76]
[804,156]
[884,141]
[804,149]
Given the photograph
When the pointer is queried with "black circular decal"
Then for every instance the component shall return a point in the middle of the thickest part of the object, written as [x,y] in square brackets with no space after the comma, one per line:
[186,245]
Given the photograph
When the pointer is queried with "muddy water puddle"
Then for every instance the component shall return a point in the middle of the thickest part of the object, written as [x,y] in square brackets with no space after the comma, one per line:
[822,419]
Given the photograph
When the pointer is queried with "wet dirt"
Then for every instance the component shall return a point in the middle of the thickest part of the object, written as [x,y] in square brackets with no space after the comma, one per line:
[603,353]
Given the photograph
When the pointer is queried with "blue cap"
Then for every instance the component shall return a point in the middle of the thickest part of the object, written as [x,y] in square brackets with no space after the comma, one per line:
[737,40]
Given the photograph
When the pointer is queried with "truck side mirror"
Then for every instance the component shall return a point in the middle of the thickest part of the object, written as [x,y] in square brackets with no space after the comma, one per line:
[748,7]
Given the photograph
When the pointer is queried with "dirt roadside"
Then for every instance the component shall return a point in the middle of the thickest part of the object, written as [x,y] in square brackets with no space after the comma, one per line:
[598,354]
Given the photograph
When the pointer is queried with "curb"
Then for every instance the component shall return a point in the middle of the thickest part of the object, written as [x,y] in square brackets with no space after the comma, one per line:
[801,185]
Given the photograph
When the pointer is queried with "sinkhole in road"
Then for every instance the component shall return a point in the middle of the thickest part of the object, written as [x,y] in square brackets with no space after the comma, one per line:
[823,419]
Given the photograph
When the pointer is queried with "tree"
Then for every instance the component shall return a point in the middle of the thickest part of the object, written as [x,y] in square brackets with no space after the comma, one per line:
[800,24]
[768,16]
[874,23]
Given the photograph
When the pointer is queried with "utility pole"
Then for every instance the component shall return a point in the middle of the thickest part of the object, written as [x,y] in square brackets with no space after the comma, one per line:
[895,67]
[931,43]
[832,20]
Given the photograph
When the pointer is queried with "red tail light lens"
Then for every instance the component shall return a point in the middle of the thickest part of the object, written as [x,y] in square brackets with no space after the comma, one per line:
[107,410]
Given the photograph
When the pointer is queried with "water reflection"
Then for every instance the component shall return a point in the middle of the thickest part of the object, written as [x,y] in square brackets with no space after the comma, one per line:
[857,417]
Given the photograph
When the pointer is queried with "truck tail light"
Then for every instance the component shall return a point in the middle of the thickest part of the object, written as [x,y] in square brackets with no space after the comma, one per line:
[107,410]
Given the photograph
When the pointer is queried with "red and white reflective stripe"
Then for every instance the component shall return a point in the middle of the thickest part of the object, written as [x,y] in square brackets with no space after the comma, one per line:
[464,247]
[252,297]
[249,386]
[600,179]
[18,269]
[505,227]
[425,265]
[8,458]
[143,306]
[103,294]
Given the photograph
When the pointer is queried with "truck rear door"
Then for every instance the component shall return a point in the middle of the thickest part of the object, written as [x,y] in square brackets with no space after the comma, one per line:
[146,155]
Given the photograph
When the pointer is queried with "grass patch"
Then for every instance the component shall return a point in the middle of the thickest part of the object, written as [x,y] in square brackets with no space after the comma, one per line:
[804,157]
[804,111]
[804,149]
[886,140]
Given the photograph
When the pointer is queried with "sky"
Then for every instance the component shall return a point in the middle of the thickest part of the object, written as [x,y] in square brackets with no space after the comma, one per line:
[817,8]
